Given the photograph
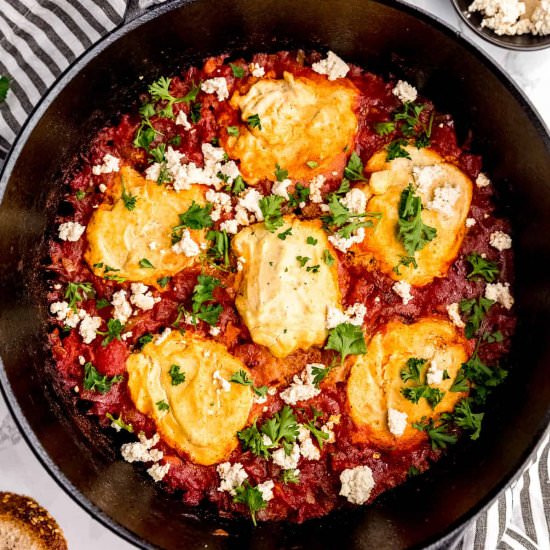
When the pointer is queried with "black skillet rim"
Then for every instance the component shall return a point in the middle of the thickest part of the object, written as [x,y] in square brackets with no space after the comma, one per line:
[71,71]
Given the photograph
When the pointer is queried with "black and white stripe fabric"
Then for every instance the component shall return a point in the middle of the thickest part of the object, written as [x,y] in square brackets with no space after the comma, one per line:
[38,41]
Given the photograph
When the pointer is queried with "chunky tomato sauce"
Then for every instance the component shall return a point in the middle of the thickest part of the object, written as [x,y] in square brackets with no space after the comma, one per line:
[317,492]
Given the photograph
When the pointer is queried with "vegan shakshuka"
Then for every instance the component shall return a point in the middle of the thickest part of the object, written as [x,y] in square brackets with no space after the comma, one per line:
[283,283]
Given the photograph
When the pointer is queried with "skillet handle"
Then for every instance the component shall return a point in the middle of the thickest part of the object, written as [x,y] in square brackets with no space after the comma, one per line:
[136,8]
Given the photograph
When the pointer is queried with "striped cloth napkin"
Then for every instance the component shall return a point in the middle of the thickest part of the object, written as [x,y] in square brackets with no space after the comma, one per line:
[38,40]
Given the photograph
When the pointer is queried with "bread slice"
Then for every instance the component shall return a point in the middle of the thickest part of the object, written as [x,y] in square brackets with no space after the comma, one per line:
[25,525]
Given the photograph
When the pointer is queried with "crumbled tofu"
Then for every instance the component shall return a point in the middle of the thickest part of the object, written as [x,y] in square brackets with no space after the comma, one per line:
[142,297]
[212,153]
[257,70]
[162,337]
[315,186]
[110,164]
[88,328]
[482,180]
[240,263]
[434,375]
[81,360]
[355,201]
[123,309]
[142,450]
[222,382]
[444,199]
[71,231]
[302,387]
[307,449]
[357,484]
[405,92]
[397,421]
[504,17]
[230,170]
[499,293]
[251,201]
[218,86]
[287,462]
[342,244]
[231,476]
[158,471]
[153,172]
[453,312]
[181,120]
[230,226]
[333,66]
[221,203]
[540,19]
[470,222]
[266,488]
[280,188]
[426,176]
[241,216]
[403,290]
[354,314]
[500,240]
[102,188]
[214,331]
[186,245]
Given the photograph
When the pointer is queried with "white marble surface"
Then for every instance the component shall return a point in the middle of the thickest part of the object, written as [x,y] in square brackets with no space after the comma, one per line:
[21,472]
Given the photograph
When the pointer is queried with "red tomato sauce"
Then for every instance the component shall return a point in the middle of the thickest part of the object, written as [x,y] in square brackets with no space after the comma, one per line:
[317,492]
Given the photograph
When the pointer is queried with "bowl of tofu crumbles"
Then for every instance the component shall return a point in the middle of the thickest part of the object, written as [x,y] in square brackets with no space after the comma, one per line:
[522,25]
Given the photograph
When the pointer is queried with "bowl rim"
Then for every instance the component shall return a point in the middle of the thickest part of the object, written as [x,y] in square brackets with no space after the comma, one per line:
[437,541]
[495,39]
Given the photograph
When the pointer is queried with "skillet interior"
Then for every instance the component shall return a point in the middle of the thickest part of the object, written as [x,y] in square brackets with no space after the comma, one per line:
[383,38]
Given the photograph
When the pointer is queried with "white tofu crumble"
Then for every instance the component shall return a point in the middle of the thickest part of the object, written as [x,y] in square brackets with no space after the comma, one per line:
[405,92]
[287,462]
[257,70]
[250,201]
[357,484]
[302,387]
[500,240]
[186,245]
[158,471]
[403,290]
[142,450]
[425,176]
[505,17]
[500,293]
[315,186]
[231,476]
[482,180]
[224,384]
[470,222]
[218,86]
[109,164]
[71,231]
[221,203]
[354,315]
[342,244]
[280,188]
[64,313]
[162,337]
[307,449]
[434,374]
[142,298]
[540,19]
[266,488]
[153,171]
[230,226]
[181,120]
[453,311]
[102,188]
[397,421]
[333,66]
[123,309]
[88,328]
[444,199]
[214,331]
[355,201]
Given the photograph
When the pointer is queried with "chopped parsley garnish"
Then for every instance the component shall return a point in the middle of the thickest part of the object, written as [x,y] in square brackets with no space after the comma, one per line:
[482,268]
[120,423]
[4,87]
[342,220]
[464,418]
[241,377]
[196,217]
[346,339]
[177,377]
[128,199]
[233,130]
[146,132]
[114,329]
[146,264]
[320,373]
[354,169]
[238,186]
[163,281]
[77,292]
[280,173]
[328,258]
[475,310]
[440,435]
[219,249]
[413,372]
[162,405]
[203,293]
[160,91]
[411,230]
[195,112]
[290,476]
[312,164]
[94,381]
[145,339]
[384,128]
[319,435]
[413,471]
[483,377]
[80,194]
[300,195]
[158,152]
[405,261]
[101,303]
[271,209]
[413,369]
[251,497]
[313,268]
[238,72]
[396,149]
[254,121]
[311,240]
[176,140]
[302,260]
[284,234]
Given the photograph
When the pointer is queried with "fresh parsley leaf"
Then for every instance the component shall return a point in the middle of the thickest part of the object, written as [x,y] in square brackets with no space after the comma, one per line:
[128,199]
[300,195]
[284,234]
[411,230]
[254,121]
[460,383]
[290,476]
[414,393]
[405,261]
[312,164]
[80,194]
[433,396]
[4,87]
[241,377]
[302,260]
[177,377]
[313,268]
[439,435]
[158,152]
[203,293]
[320,373]
[343,188]
[347,339]
[162,405]
[176,140]
[114,330]
[413,471]
[413,369]
[283,427]
[163,281]
[464,418]
[271,209]
[238,186]
[192,94]
[482,268]
[354,169]
[77,292]
[280,173]
[94,381]
[251,440]
[146,264]
[145,339]
[195,112]
[219,249]
[396,149]
[160,91]
[384,128]
[475,310]
[483,377]
[328,258]
[251,497]
[101,303]
[196,217]
[233,130]
[492,337]
[319,435]
[120,423]
[311,240]
[238,72]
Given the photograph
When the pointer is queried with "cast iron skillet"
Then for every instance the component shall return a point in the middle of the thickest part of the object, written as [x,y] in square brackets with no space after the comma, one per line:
[383,36]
